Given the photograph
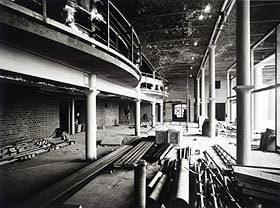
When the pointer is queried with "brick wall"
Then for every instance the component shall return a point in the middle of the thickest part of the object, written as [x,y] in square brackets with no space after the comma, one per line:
[106,113]
[26,114]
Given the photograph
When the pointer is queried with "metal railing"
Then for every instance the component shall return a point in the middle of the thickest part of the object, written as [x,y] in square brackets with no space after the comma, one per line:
[112,30]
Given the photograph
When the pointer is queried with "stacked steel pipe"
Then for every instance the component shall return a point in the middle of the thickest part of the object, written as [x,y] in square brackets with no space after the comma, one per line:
[58,192]
[162,151]
[130,159]
[227,158]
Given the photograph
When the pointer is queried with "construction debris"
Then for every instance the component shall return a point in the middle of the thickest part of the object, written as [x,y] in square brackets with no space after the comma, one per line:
[56,193]
[31,148]
[130,159]
[260,182]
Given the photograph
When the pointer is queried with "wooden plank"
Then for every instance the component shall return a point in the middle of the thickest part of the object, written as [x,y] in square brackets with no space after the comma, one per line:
[273,177]
[261,194]
[260,188]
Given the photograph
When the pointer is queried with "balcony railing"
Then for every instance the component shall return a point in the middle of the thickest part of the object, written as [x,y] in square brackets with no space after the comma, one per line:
[101,21]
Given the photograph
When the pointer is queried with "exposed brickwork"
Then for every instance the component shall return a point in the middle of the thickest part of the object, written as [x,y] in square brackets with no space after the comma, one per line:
[26,114]
[106,113]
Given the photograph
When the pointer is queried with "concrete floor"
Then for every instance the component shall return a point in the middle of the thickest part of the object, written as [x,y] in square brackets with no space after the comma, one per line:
[113,187]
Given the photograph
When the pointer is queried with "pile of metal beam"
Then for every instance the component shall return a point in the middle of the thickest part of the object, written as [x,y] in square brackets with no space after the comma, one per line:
[28,149]
[184,153]
[130,159]
[162,152]
[58,192]
[260,182]
[170,185]
[227,158]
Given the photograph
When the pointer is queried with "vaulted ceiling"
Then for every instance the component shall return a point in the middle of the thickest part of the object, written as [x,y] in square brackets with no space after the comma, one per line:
[175,33]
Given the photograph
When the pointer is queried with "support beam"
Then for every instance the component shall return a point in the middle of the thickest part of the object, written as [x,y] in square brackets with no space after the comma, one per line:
[277,90]
[69,116]
[258,98]
[243,88]
[161,113]
[153,113]
[91,153]
[138,117]
[203,103]
[197,98]
[228,100]
[212,92]
[73,116]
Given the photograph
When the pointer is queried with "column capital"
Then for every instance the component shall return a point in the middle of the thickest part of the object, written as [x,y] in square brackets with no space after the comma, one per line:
[137,100]
[211,99]
[202,69]
[243,88]
[212,46]
[92,90]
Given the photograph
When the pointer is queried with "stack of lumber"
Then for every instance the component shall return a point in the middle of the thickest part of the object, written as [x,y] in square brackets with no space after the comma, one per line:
[130,159]
[258,182]
[28,149]
[58,192]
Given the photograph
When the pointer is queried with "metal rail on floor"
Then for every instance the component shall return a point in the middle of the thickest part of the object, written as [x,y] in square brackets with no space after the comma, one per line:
[58,192]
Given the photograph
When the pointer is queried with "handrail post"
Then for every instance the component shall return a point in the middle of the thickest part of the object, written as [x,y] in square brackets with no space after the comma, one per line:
[44,10]
[108,23]
[131,44]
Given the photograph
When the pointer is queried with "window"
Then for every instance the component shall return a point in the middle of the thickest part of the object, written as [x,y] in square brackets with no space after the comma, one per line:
[179,112]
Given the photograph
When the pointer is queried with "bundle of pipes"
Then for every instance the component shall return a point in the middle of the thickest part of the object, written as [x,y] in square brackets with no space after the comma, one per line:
[216,188]
[162,151]
[170,185]
[30,148]
[227,158]
[58,192]
[134,155]
[184,153]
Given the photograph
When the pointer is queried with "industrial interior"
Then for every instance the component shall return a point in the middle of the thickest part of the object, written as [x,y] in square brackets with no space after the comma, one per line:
[129,103]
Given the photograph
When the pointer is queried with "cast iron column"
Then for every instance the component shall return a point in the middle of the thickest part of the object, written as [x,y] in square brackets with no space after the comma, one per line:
[73,116]
[228,100]
[243,87]
[91,152]
[197,98]
[161,113]
[137,117]
[203,103]
[212,92]
[153,113]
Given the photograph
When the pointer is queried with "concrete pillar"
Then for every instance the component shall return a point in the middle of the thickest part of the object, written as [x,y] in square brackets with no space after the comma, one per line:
[73,116]
[258,98]
[197,98]
[69,116]
[203,103]
[243,87]
[228,100]
[212,92]
[91,153]
[153,113]
[161,113]
[277,90]
[138,117]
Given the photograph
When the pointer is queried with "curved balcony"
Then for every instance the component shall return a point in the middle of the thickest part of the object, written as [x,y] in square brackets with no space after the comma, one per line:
[153,85]
[94,38]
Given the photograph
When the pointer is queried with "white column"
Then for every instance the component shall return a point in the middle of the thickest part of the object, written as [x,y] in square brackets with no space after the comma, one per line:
[243,87]
[91,152]
[73,116]
[258,98]
[228,100]
[138,117]
[69,116]
[153,113]
[197,98]
[161,113]
[203,103]
[212,92]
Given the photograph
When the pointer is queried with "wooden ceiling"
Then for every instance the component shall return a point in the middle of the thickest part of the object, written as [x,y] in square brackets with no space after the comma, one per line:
[169,29]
